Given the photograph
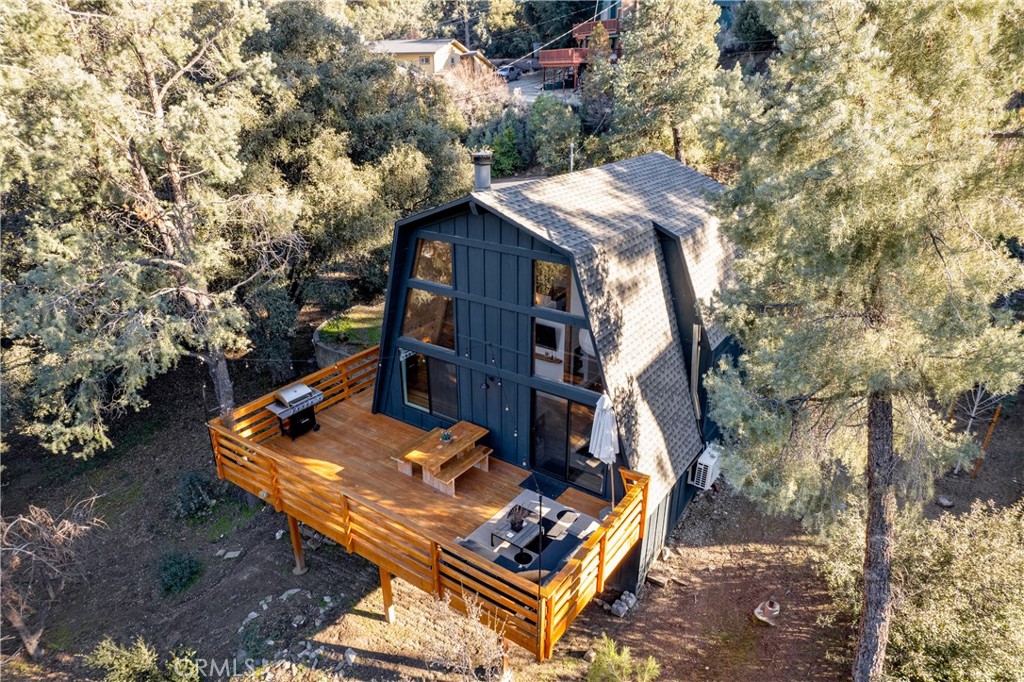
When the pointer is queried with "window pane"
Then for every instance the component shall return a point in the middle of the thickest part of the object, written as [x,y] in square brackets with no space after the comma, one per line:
[415,381]
[581,366]
[585,470]
[564,353]
[429,318]
[444,389]
[549,433]
[551,285]
[433,261]
[430,385]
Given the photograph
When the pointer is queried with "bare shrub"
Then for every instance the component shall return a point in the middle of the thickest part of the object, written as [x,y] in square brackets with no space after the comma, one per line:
[479,95]
[469,645]
[39,555]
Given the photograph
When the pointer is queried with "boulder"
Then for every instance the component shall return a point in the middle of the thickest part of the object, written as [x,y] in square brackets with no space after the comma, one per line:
[350,656]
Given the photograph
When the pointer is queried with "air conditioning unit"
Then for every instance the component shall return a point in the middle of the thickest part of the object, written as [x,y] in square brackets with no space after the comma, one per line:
[707,468]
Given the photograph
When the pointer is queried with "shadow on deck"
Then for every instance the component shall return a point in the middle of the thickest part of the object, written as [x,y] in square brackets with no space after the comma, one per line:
[344,482]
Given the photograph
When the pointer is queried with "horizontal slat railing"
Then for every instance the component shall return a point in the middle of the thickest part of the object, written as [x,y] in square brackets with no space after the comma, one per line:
[533,617]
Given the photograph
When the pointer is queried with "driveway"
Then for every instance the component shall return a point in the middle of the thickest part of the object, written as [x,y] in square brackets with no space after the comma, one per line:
[529,85]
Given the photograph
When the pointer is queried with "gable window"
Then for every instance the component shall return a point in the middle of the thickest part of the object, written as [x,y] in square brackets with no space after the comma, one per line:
[561,442]
[565,353]
[430,385]
[552,286]
[429,318]
[433,261]
[425,60]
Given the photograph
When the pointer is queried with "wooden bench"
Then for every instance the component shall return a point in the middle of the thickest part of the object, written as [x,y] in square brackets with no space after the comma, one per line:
[444,479]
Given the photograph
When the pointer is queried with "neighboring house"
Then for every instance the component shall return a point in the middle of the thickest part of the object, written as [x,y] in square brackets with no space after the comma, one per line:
[515,308]
[433,56]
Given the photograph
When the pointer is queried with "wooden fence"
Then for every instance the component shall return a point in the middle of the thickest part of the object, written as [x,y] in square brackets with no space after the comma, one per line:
[532,616]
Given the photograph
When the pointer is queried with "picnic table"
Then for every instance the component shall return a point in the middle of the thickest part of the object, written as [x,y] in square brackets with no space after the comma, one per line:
[444,461]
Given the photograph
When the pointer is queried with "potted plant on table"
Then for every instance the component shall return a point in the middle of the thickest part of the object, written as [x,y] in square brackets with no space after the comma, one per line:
[517,516]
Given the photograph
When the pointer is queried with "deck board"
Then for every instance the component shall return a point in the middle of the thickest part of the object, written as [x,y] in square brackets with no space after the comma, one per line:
[357,446]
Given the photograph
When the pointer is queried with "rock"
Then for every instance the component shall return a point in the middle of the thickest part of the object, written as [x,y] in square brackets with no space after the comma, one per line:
[298,621]
[666,553]
[220,552]
[279,534]
[241,656]
[619,609]
[289,593]
[629,599]
[657,580]
[234,554]
[327,599]
[944,502]
[350,656]
[590,656]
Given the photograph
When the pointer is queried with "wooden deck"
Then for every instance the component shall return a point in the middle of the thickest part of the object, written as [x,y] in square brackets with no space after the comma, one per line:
[355,446]
[343,482]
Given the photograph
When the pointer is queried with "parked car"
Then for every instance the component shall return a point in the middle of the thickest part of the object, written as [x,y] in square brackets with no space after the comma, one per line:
[510,72]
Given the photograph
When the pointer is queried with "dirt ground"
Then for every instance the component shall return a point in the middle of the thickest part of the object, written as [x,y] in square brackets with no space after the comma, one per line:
[726,557]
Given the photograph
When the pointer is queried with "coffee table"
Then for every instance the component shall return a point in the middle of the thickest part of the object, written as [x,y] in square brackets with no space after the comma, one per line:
[520,539]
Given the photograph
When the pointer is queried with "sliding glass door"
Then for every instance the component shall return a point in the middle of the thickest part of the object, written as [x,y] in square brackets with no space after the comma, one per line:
[561,442]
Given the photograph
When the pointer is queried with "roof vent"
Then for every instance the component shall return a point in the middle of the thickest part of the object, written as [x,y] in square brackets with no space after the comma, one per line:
[482,170]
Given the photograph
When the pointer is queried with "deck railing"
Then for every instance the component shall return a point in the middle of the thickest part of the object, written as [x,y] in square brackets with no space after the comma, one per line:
[532,616]
[584,30]
[570,56]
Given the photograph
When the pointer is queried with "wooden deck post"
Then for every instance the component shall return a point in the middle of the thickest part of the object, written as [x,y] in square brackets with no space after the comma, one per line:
[389,602]
[300,560]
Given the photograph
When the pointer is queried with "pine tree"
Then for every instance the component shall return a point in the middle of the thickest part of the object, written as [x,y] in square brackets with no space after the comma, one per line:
[598,86]
[870,213]
[120,150]
[666,76]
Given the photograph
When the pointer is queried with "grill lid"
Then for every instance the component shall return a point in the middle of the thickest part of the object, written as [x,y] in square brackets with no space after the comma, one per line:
[289,395]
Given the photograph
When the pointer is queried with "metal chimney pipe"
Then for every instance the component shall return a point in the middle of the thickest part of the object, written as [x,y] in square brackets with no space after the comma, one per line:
[482,170]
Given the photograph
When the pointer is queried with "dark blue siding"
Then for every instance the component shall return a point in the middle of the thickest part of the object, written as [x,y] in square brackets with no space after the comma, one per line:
[493,276]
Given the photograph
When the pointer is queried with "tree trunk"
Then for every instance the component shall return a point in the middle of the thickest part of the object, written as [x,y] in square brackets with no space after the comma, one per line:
[876,608]
[677,143]
[223,389]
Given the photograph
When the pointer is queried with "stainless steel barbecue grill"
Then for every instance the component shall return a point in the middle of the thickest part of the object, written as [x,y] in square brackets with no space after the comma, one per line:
[294,408]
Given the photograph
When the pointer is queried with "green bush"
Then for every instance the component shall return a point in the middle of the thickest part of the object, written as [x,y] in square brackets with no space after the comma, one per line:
[506,154]
[140,663]
[959,611]
[197,494]
[553,127]
[612,664]
[748,28]
[178,570]
[370,271]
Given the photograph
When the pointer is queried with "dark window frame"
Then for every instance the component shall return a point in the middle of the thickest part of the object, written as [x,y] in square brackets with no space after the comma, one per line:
[566,450]
[409,291]
[418,242]
[430,409]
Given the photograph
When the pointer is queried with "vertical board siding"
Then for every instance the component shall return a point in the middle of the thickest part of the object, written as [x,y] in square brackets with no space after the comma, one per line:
[489,336]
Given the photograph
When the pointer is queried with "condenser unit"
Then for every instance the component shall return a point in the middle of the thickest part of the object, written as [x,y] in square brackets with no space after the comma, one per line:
[707,468]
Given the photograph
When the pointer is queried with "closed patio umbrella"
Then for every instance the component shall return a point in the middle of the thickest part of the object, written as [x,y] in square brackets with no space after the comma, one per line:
[604,437]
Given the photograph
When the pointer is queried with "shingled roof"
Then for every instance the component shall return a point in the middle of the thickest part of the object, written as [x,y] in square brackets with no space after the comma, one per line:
[605,219]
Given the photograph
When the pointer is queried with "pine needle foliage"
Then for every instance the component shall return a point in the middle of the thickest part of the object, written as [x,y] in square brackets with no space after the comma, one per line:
[875,193]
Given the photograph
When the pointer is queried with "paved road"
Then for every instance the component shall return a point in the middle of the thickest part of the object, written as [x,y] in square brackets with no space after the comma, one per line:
[529,85]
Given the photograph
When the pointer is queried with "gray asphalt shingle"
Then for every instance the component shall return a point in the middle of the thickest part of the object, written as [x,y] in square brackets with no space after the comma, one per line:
[605,217]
